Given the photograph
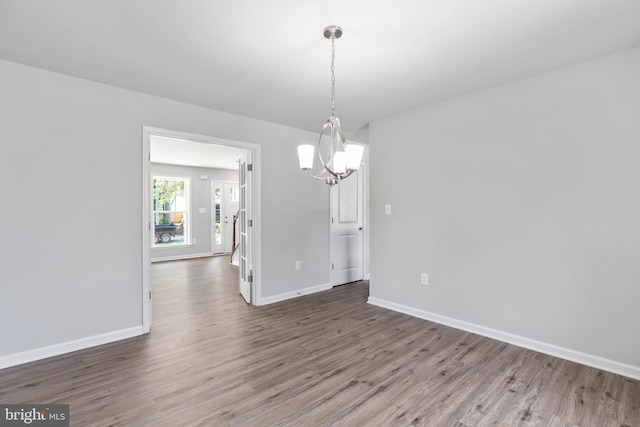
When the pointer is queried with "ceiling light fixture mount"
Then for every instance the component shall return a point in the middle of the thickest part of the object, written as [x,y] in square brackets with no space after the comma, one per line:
[334,31]
[343,159]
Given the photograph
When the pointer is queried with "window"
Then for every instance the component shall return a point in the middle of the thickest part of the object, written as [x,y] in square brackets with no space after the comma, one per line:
[234,194]
[171,211]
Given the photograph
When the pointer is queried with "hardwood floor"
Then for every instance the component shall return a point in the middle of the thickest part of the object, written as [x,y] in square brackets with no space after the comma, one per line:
[323,359]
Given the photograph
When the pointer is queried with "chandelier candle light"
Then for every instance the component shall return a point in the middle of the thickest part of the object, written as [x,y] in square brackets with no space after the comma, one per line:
[344,159]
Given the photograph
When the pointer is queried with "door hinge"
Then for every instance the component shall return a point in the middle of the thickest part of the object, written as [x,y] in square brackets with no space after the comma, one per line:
[250,278]
[332,266]
[250,167]
[250,223]
[331,220]
[149,294]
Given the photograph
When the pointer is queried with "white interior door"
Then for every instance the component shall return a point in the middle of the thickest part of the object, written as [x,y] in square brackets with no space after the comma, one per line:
[346,240]
[224,205]
[246,231]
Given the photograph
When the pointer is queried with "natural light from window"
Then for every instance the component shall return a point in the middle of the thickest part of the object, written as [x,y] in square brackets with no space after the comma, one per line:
[170,211]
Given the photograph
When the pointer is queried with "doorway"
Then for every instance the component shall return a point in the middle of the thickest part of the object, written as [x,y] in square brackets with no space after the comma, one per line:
[252,214]
[225,205]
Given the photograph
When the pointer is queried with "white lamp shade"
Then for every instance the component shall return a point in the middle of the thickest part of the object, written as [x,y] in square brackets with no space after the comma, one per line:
[354,156]
[305,156]
[340,162]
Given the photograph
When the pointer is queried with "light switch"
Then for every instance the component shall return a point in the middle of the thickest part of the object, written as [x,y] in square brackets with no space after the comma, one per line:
[387,209]
[202,210]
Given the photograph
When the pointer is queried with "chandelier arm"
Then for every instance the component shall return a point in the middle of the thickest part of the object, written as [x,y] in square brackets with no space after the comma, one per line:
[341,138]
[327,179]
[326,164]
[316,176]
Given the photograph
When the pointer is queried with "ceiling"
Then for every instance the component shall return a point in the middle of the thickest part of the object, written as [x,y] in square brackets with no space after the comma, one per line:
[268,59]
[175,151]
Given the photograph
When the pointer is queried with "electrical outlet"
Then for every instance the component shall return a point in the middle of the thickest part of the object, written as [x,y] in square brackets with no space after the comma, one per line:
[298,265]
[424,279]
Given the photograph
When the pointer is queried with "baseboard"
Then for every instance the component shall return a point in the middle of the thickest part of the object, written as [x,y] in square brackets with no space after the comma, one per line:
[178,257]
[67,347]
[550,349]
[294,294]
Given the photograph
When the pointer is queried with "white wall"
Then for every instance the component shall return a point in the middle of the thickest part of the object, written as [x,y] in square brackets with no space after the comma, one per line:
[71,156]
[200,197]
[522,203]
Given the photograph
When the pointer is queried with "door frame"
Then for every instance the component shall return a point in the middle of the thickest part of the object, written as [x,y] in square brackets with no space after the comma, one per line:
[147,132]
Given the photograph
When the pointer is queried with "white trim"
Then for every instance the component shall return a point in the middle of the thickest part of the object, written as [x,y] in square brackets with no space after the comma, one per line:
[256,290]
[178,257]
[539,346]
[173,246]
[146,229]
[68,347]
[295,294]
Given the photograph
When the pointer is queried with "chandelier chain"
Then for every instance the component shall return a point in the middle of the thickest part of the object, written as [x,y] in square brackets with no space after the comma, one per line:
[333,76]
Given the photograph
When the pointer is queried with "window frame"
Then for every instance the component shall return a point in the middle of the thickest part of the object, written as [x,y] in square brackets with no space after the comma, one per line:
[187,228]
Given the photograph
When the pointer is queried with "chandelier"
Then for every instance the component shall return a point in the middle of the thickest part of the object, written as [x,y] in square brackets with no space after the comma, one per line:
[340,160]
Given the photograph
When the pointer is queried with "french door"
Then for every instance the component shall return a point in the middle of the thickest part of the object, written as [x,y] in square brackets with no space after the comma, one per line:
[246,226]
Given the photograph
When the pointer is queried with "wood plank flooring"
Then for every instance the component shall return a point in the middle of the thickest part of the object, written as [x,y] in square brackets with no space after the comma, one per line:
[318,360]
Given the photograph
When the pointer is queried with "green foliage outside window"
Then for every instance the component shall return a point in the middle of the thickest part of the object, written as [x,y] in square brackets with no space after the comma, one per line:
[165,193]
